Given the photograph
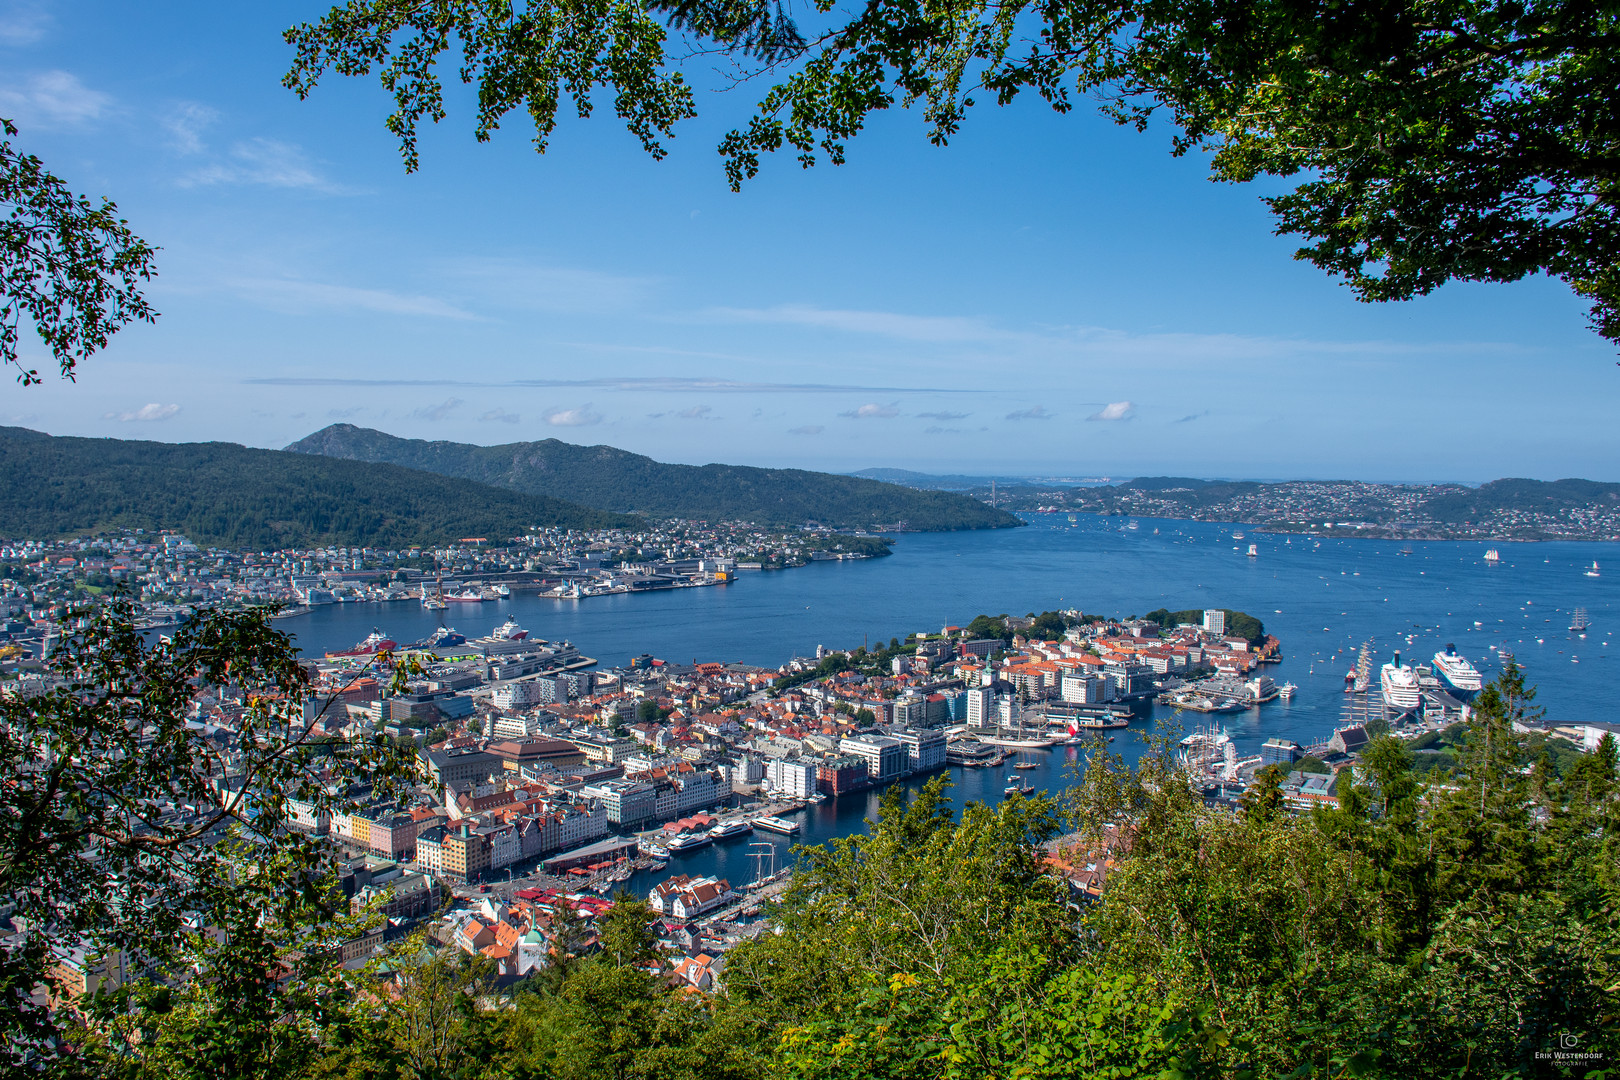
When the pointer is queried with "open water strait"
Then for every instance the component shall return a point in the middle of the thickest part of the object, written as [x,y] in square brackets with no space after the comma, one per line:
[1321,598]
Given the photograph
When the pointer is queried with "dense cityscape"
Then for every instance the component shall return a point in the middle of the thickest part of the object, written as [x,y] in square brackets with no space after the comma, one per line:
[1503,510]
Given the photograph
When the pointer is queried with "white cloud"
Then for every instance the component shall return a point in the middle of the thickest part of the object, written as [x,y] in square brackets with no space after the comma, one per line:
[52,99]
[584,416]
[873,411]
[185,125]
[944,415]
[500,416]
[150,412]
[516,283]
[807,429]
[1038,412]
[270,162]
[437,412]
[697,412]
[284,294]
[23,22]
[1114,410]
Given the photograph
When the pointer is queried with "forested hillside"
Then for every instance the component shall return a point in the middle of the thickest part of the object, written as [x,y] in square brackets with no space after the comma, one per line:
[613,479]
[225,495]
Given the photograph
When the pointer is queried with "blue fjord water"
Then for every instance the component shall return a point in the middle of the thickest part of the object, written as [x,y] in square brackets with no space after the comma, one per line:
[1321,598]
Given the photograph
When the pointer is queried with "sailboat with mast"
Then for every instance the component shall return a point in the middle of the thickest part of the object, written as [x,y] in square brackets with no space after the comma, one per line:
[1579,622]
[1592,571]
[436,601]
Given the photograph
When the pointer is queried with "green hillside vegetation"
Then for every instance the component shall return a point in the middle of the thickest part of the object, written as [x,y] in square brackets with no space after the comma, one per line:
[1463,504]
[612,479]
[1238,623]
[225,495]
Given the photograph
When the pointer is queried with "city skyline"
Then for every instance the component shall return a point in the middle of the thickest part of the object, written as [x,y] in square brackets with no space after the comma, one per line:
[1049,295]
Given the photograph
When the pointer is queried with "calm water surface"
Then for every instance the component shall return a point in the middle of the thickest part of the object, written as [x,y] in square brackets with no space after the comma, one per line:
[1321,599]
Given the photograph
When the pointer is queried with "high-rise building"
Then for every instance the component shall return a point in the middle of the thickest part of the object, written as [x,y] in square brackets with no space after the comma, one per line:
[1214,621]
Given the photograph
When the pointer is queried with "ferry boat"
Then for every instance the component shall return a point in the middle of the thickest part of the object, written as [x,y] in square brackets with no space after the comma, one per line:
[1493,556]
[1287,691]
[1460,678]
[1400,686]
[730,829]
[443,638]
[375,642]
[466,596]
[688,842]
[509,631]
[777,825]
[1593,571]
[1579,622]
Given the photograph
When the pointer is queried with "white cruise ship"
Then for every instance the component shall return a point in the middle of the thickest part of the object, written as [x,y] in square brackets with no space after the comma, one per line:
[1400,686]
[1460,678]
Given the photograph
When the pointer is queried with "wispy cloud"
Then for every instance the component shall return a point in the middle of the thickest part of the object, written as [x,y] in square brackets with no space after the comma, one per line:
[697,412]
[807,429]
[584,416]
[185,124]
[935,328]
[437,412]
[936,429]
[146,413]
[873,411]
[344,414]
[1114,410]
[1036,412]
[944,415]
[284,294]
[52,99]
[518,283]
[23,22]
[1190,417]
[500,416]
[270,162]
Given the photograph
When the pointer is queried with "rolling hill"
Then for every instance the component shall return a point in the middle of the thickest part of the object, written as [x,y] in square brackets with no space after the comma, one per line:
[225,495]
[612,479]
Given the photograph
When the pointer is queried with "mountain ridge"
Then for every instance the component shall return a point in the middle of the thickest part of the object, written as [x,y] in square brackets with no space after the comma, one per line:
[608,478]
[222,494]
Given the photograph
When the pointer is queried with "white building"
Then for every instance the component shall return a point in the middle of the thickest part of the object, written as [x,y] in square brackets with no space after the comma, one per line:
[980,703]
[1081,689]
[795,777]
[885,757]
[925,748]
[1214,622]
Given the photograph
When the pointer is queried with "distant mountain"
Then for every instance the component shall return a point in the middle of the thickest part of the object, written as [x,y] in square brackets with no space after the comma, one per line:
[225,495]
[939,482]
[613,479]
[1547,496]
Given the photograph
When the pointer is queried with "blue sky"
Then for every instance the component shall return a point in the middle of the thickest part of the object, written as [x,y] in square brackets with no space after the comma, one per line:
[1048,295]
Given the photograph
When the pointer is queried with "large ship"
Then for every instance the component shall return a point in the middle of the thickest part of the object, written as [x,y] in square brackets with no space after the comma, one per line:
[375,642]
[441,638]
[730,829]
[509,631]
[1460,678]
[776,824]
[1400,686]
[1493,556]
[1579,622]
[688,842]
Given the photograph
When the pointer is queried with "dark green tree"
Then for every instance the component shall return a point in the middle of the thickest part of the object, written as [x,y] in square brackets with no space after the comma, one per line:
[72,270]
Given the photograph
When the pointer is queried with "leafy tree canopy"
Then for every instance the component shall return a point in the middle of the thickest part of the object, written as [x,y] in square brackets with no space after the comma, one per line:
[1428,141]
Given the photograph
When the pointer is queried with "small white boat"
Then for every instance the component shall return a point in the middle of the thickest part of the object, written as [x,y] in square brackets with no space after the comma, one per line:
[1593,570]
